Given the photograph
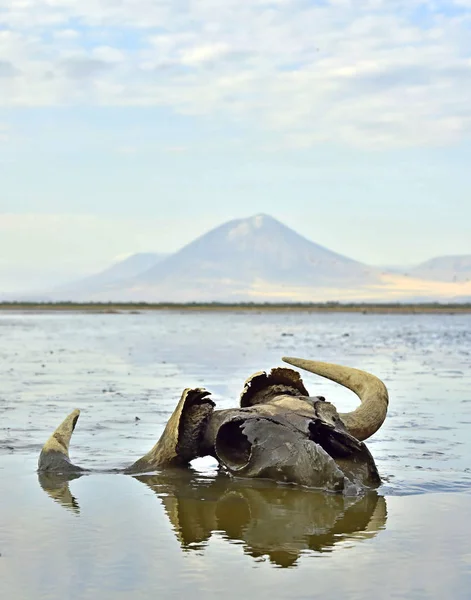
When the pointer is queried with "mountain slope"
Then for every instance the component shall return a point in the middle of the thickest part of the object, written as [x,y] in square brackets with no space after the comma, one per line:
[444,268]
[131,266]
[116,274]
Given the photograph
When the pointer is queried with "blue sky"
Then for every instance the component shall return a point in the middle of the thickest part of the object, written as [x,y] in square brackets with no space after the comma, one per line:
[138,125]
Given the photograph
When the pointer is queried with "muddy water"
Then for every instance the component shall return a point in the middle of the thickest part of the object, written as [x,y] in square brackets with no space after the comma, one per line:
[111,536]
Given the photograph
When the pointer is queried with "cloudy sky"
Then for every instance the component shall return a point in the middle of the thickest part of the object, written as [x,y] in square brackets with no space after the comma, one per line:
[136,125]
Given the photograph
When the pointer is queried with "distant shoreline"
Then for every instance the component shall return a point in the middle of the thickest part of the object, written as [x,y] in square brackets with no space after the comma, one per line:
[327,307]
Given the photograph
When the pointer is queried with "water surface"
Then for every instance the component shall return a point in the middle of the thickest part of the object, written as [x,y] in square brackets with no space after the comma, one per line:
[109,536]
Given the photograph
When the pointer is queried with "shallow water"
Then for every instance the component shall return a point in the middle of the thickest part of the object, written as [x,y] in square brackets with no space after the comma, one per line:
[111,536]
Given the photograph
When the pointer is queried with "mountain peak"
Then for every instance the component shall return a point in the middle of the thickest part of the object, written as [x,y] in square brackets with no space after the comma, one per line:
[258,220]
[262,219]
[242,227]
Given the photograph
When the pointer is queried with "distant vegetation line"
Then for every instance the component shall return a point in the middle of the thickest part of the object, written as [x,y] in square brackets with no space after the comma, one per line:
[117,307]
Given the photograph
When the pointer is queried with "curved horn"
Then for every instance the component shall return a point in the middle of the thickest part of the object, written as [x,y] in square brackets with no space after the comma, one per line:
[55,453]
[370,415]
[182,438]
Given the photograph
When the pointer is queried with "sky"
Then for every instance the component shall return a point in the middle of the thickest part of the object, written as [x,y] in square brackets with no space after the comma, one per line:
[138,125]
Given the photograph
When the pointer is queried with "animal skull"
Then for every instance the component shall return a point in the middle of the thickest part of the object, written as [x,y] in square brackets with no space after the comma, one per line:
[278,432]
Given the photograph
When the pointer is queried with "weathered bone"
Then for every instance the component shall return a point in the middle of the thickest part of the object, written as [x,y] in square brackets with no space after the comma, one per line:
[55,453]
[270,449]
[262,387]
[308,444]
[279,432]
[364,421]
[181,440]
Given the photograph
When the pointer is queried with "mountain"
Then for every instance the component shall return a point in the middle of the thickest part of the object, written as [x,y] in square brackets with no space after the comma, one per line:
[257,248]
[444,268]
[257,258]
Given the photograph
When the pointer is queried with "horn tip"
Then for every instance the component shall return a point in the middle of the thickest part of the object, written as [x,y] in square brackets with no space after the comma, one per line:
[290,360]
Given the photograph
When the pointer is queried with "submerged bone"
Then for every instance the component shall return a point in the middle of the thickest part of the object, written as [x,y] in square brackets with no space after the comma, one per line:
[308,444]
[54,456]
[369,416]
[265,448]
[181,440]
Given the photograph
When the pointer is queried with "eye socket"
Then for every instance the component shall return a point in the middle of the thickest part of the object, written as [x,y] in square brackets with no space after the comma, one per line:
[232,447]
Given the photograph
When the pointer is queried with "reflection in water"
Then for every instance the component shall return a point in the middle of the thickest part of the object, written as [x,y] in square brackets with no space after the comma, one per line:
[280,522]
[57,487]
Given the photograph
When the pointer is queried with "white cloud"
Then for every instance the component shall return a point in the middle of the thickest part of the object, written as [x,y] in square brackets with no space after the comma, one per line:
[108,54]
[66,34]
[201,54]
[361,72]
